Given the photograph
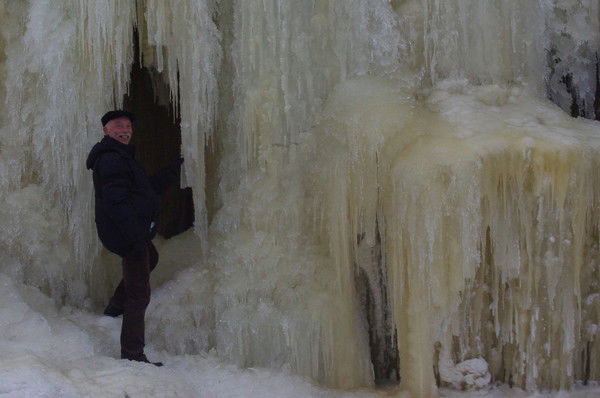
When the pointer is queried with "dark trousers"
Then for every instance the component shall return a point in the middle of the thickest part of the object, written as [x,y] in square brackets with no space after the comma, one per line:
[133,296]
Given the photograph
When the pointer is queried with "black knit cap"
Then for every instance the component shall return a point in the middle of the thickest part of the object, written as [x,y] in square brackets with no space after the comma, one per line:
[108,116]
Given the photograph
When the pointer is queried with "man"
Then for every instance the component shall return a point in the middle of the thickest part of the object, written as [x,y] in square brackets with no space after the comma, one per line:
[126,204]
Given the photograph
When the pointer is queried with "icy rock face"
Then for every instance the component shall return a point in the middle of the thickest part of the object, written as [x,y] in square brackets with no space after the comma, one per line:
[573,57]
[394,194]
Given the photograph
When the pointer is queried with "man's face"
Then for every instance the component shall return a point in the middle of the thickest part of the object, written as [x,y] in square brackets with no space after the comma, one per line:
[120,129]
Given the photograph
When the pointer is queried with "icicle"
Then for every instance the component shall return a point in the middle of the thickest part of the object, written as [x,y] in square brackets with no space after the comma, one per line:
[187,48]
[288,56]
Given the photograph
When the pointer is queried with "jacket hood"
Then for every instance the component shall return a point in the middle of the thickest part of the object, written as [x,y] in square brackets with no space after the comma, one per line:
[108,144]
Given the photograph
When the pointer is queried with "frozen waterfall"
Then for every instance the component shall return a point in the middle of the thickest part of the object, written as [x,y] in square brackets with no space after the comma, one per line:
[383,190]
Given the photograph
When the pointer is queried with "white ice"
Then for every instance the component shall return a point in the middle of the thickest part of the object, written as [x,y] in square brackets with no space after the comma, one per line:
[49,351]
[422,122]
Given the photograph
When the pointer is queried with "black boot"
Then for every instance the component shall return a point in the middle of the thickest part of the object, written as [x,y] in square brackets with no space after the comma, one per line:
[113,310]
[141,358]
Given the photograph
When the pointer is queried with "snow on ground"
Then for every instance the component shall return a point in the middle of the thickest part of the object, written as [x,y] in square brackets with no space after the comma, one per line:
[46,351]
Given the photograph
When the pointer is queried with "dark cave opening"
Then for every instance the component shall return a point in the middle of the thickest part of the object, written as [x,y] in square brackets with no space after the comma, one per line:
[157,140]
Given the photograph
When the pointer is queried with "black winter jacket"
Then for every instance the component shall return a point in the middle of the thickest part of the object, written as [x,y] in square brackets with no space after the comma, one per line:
[126,198]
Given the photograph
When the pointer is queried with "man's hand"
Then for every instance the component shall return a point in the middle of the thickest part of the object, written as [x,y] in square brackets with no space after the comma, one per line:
[161,180]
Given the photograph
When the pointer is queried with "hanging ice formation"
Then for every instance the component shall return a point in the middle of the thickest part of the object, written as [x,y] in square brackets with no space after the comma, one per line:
[396,196]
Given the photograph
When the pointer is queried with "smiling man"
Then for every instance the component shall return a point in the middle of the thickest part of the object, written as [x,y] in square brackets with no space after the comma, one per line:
[126,206]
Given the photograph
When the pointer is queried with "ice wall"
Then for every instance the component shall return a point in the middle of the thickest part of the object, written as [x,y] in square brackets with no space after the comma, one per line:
[391,180]
[413,44]
[266,257]
[486,202]
[64,64]
[484,41]
[288,56]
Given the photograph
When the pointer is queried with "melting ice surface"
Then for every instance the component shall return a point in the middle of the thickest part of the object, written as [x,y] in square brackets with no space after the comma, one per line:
[394,196]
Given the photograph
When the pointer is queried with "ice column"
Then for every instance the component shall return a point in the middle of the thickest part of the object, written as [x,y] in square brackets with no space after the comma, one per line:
[277,300]
[486,200]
